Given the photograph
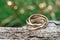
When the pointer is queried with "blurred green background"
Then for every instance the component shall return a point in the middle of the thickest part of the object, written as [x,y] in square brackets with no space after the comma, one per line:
[13,13]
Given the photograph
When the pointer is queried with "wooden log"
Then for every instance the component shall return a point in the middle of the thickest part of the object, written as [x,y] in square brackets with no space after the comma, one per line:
[51,32]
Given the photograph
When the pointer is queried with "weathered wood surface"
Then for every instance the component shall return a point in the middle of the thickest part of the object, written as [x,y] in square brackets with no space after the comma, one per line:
[51,32]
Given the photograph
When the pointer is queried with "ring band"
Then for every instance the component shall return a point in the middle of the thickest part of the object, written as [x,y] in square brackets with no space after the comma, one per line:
[37,21]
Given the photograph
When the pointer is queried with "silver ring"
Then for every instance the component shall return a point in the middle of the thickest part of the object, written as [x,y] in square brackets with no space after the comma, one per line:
[37,21]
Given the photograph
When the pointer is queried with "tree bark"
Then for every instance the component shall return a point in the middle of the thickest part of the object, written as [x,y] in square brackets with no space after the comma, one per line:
[51,32]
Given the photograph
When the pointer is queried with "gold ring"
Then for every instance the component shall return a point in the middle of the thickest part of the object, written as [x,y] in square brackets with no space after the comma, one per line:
[37,21]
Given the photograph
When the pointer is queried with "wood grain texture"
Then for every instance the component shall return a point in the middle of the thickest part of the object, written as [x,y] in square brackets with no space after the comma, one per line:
[51,32]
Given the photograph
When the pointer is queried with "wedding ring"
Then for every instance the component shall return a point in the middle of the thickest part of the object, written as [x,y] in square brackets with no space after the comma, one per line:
[37,21]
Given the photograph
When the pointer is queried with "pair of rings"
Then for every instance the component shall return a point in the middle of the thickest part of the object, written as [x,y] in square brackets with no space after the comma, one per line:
[37,21]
